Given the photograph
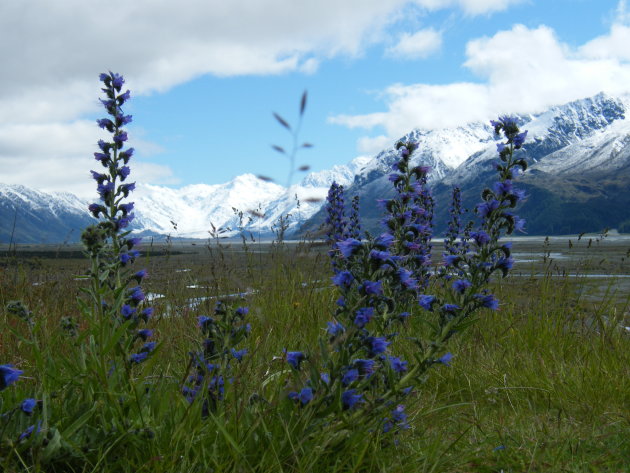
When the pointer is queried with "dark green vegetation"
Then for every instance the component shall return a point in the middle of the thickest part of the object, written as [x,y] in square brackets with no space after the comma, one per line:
[541,385]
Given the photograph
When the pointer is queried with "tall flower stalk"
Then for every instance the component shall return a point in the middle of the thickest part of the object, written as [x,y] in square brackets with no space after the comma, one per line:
[117,297]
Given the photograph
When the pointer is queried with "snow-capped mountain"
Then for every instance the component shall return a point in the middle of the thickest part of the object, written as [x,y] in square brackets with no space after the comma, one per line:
[579,169]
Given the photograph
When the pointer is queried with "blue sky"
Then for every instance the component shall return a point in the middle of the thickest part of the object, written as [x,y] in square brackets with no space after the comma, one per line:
[207,75]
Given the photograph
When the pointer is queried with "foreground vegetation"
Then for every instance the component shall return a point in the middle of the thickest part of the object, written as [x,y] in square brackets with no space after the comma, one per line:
[541,385]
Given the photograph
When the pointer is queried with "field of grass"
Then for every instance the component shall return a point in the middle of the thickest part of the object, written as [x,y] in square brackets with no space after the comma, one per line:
[541,385]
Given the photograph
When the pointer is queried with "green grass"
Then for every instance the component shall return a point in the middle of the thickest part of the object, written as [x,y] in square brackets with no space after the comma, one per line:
[546,379]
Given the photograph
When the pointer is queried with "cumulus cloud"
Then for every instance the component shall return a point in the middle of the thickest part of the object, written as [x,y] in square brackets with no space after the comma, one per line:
[32,153]
[417,45]
[521,70]
[52,53]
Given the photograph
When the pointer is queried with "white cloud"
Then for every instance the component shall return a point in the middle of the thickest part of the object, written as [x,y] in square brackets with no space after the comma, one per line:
[418,45]
[371,146]
[31,154]
[52,53]
[522,70]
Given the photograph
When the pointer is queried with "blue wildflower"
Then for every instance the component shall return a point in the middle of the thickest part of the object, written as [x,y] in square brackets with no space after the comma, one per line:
[445,359]
[460,285]
[127,311]
[239,354]
[348,247]
[335,329]
[365,367]
[427,302]
[384,241]
[488,301]
[372,288]
[295,358]
[138,358]
[29,431]
[27,406]
[343,279]
[144,334]
[350,399]
[398,365]
[363,316]
[306,395]
[377,345]
[204,322]
[350,376]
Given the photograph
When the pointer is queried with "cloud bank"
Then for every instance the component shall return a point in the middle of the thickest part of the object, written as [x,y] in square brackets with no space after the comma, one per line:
[521,70]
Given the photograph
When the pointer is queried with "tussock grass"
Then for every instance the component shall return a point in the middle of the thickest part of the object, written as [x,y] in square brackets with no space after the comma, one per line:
[542,385]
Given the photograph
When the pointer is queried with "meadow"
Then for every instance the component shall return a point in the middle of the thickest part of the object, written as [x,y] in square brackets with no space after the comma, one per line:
[541,385]
[392,352]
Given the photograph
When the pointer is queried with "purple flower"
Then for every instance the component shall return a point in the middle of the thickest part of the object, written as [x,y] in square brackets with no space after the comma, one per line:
[145,334]
[106,124]
[487,208]
[105,190]
[406,279]
[29,431]
[102,158]
[295,358]
[450,308]
[122,120]
[380,255]
[125,189]
[325,377]
[146,314]
[377,345]
[127,311]
[349,399]
[505,263]
[343,279]
[480,237]
[348,247]
[519,139]
[363,316]
[138,358]
[427,302]
[502,187]
[126,208]
[488,301]
[384,241]
[350,376]
[373,288]
[239,354]
[96,210]
[120,138]
[445,359]
[365,367]
[122,98]
[335,329]
[306,395]
[148,347]
[27,406]
[341,302]
[204,322]
[124,172]
[398,365]
[461,285]
[136,294]
[117,81]
[242,311]
[450,260]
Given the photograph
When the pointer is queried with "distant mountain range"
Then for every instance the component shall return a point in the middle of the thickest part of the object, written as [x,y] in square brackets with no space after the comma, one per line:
[578,181]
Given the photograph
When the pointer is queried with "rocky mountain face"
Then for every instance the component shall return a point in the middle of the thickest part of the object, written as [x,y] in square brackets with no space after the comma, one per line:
[578,181]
